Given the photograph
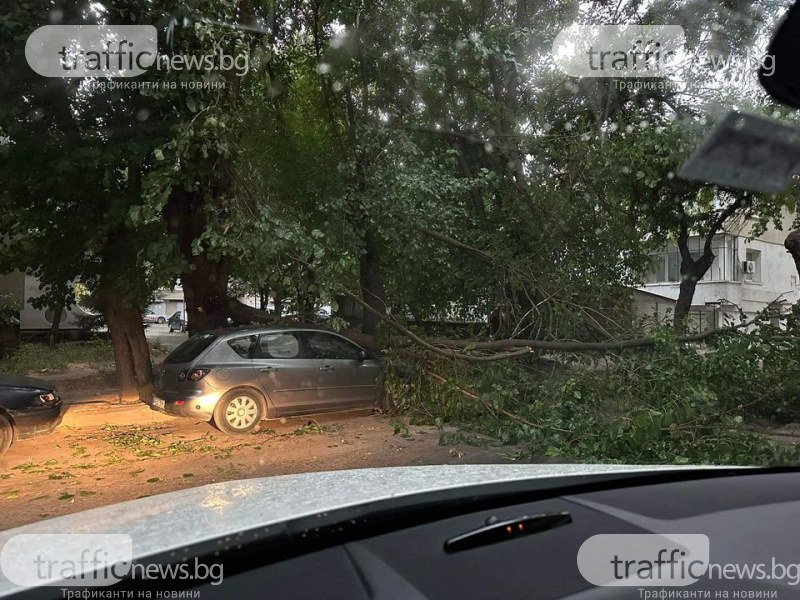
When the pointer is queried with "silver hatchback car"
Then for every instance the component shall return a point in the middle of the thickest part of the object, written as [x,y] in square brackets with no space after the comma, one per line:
[237,377]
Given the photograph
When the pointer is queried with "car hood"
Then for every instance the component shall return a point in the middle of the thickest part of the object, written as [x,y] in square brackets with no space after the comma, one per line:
[19,381]
[210,511]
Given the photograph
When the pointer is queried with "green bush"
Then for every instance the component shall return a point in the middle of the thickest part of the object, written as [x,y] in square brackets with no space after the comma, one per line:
[10,306]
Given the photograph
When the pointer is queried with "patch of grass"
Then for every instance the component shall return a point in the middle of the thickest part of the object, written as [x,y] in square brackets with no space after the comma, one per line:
[153,480]
[11,495]
[41,358]
[66,496]
[136,473]
[86,493]
[62,475]
[187,475]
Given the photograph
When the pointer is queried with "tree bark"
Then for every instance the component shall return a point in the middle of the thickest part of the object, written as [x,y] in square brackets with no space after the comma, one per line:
[684,303]
[205,291]
[205,283]
[58,309]
[692,271]
[131,353]
[792,245]
[372,290]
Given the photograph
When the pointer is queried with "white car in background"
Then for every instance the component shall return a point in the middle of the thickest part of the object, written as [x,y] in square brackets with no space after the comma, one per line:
[153,318]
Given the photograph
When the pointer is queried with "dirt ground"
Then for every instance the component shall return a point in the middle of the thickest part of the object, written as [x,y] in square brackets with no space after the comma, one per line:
[74,469]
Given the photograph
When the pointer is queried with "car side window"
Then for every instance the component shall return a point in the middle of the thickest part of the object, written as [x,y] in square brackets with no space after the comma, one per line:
[243,346]
[278,345]
[324,345]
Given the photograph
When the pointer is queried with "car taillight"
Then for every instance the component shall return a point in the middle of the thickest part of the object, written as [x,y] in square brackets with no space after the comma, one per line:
[193,374]
[48,397]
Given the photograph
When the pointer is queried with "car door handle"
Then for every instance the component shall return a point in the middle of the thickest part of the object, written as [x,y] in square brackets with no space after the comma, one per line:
[268,369]
[326,368]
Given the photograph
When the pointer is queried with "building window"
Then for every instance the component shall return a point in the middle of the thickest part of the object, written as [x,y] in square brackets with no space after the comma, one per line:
[752,265]
[666,268]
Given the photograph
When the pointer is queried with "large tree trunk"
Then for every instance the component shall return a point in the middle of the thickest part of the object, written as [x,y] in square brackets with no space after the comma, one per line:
[131,353]
[684,303]
[205,291]
[205,283]
[792,245]
[58,310]
[692,271]
[371,283]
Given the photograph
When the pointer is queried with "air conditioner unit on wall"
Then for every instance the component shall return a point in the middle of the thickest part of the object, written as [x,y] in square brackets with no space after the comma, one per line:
[749,266]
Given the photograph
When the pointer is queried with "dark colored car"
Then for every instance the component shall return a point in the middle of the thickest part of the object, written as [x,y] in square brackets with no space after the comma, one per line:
[238,377]
[176,322]
[28,407]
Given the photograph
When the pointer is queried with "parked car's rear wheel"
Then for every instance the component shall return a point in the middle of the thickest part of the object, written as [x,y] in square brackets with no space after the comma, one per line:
[6,433]
[239,411]
[161,320]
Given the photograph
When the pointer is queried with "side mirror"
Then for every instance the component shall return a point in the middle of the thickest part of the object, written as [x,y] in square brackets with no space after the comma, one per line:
[362,355]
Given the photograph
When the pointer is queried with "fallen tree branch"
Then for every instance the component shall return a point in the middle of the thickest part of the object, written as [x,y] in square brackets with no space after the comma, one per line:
[494,409]
[430,347]
[512,348]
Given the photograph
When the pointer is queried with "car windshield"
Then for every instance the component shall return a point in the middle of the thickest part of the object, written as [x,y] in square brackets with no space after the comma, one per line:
[436,233]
